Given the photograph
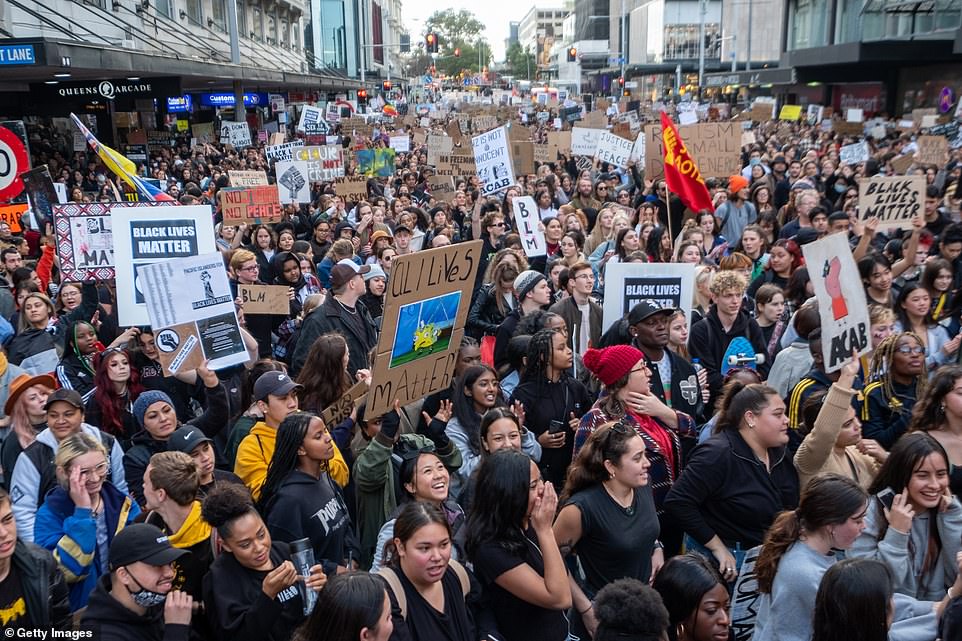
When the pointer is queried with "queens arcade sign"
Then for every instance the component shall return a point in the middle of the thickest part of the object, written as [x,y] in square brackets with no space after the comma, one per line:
[105,89]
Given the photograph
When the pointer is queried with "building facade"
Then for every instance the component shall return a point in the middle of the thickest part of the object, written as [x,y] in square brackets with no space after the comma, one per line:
[538,31]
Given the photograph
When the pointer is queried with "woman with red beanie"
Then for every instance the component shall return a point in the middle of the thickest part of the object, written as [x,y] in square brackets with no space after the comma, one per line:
[627,398]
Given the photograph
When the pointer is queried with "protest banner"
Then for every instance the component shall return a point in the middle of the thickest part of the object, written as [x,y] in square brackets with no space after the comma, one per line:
[85,244]
[456,165]
[529,226]
[283,152]
[847,128]
[341,409]
[11,215]
[542,154]
[761,111]
[638,149]
[894,199]
[522,156]
[493,161]
[715,147]
[559,142]
[425,309]
[257,205]
[351,188]
[247,178]
[901,164]
[310,117]
[841,301]
[237,134]
[854,115]
[293,185]
[324,162]
[790,112]
[437,145]
[664,284]
[584,141]
[746,597]
[933,150]
[145,235]
[265,299]
[442,188]
[854,154]
[203,133]
[400,144]
[191,311]
[41,194]
[613,149]
[376,162]
[483,123]
[276,139]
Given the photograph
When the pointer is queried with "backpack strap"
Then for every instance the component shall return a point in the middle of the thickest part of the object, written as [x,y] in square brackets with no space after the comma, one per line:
[462,577]
[393,582]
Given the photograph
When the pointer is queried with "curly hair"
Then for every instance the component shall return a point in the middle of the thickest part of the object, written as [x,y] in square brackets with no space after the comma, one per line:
[727,280]
[880,368]
[226,503]
[629,608]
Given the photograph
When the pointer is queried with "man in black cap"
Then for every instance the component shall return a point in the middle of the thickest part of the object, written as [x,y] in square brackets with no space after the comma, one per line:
[136,600]
[344,314]
[673,379]
[192,441]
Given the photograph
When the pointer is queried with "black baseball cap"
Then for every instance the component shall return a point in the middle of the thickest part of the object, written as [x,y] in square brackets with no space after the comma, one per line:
[273,383]
[142,542]
[67,396]
[186,439]
[646,309]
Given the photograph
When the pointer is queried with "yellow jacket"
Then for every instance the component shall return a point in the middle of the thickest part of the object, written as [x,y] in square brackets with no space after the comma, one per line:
[256,451]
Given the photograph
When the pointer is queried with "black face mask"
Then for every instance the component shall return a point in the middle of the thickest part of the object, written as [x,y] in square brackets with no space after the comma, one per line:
[144,597]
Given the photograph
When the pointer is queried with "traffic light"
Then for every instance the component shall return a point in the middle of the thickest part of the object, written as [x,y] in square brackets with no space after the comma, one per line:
[457,52]
[362,96]
[572,54]
[386,85]
[621,82]
[431,40]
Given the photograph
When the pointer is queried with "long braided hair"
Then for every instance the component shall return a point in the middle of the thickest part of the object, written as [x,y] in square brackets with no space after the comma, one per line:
[881,367]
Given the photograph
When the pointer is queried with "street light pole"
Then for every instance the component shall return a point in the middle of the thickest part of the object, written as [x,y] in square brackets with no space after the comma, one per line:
[748,62]
[701,46]
[624,40]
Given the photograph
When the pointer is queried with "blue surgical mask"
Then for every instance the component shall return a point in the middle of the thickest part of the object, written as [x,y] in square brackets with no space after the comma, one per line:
[840,188]
[754,161]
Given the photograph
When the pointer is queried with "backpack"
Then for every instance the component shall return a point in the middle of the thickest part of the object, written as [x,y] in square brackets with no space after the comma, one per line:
[394,583]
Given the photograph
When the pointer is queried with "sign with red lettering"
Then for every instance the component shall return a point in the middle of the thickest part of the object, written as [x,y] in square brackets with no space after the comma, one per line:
[259,204]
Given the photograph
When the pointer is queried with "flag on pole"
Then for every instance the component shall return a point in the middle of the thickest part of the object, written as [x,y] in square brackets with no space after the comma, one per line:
[123,167]
[681,173]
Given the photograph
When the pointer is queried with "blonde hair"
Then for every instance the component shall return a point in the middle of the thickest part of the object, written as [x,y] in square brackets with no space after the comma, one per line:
[72,448]
[239,257]
[728,280]
[24,323]
[20,420]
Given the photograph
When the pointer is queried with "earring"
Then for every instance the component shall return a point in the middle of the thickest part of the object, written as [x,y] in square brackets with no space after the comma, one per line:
[680,630]
[942,408]
[751,426]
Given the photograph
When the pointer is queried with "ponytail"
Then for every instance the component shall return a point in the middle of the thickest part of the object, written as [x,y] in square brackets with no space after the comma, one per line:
[739,398]
[783,532]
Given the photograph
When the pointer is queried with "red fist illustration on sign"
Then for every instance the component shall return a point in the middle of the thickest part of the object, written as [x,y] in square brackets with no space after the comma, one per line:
[831,273]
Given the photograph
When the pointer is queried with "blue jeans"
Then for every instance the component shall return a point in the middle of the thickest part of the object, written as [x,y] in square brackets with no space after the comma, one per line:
[691,545]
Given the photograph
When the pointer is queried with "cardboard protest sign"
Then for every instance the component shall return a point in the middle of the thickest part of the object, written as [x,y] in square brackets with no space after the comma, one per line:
[529,226]
[425,309]
[247,178]
[613,149]
[438,145]
[559,142]
[85,243]
[376,162]
[276,139]
[293,184]
[203,133]
[841,300]
[483,123]
[456,165]
[902,163]
[715,147]
[283,152]
[894,199]
[762,111]
[847,128]
[493,160]
[401,144]
[146,235]
[191,310]
[933,150]
[237,134]
[351,188]
[584,141]
[854,154]
[664,284]
[522,156]
[265,299]
[324,162]
[310,117]
[258,204]
[442,188]
[342,408]
[542,154]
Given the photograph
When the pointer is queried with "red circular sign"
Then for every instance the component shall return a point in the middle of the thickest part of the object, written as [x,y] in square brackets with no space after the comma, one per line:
[13,161]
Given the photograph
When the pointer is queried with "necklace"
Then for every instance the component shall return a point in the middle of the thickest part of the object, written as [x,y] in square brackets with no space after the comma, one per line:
[629,509]
[349,310]
[95,510]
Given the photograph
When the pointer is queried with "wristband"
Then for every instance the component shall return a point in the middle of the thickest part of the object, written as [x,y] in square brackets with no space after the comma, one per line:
[590,605]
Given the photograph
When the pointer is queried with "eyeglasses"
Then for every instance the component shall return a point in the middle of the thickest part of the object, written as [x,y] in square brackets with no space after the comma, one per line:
[585,277]
[496,225]
[249,268]
[905,349]
[99,470]
[602,188]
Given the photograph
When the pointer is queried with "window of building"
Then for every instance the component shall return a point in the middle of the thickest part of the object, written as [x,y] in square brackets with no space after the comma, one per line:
[242,27]
[377,31]
[886,19]
[219,14]
[330,35]
[808,24]
[163,7]
[681,41]
[258,27]
[271,29]
[295,36]
[285,33]
[195,12]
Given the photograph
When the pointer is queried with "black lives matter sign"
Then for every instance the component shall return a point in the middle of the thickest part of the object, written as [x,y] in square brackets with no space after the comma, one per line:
[662,291]
[153,240]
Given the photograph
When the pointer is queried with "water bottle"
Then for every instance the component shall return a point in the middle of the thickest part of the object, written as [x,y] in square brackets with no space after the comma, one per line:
[302,555]
[697,365]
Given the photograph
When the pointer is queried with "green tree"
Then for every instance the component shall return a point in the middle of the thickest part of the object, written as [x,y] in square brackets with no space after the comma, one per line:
[521,64]
[458,30]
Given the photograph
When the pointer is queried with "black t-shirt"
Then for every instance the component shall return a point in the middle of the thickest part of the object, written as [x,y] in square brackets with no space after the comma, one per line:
[615,542]
[13,606]
[518,620]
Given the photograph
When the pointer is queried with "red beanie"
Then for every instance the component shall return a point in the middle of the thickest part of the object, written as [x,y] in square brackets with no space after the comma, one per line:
[612,363]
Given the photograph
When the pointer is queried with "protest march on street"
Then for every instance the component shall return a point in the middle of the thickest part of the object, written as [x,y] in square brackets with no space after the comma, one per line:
[490,363]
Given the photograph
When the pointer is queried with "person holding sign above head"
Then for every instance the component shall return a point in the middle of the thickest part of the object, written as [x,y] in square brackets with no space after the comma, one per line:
[344,314]
[244,271]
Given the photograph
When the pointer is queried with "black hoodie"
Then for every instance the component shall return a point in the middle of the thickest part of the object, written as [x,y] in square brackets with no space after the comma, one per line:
[238,608]
[709,340]
[110,620]
[307,507]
